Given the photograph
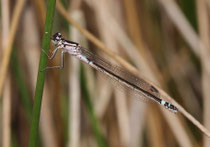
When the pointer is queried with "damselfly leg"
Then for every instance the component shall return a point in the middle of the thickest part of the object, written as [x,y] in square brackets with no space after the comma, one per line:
[53,55]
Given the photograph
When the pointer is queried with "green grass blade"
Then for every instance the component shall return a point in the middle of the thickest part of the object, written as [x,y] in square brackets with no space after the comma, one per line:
[21,84]
[41,75]
[94,121]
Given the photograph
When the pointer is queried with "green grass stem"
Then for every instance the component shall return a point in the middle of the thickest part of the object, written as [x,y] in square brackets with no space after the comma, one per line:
[94,121]
[21,84]
[41,74]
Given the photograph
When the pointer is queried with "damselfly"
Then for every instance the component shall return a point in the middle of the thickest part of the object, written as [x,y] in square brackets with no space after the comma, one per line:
[132,82]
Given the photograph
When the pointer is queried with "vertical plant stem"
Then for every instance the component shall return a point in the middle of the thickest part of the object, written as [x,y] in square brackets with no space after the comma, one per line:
[6,57]
[203,24]
[41,75]
[21,84]
[94,121]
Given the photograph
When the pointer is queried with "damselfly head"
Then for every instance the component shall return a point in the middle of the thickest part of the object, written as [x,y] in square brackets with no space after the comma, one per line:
[56,38]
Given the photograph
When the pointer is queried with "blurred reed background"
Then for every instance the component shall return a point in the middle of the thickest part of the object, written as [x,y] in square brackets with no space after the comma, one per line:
[166,40]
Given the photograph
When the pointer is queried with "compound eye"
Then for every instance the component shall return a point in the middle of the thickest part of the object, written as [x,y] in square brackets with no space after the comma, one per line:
[56,37]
